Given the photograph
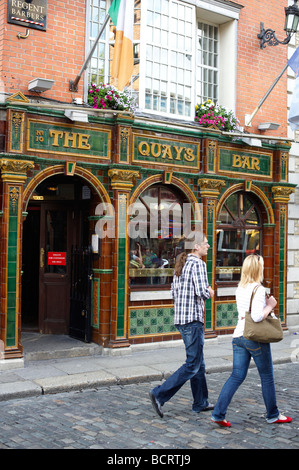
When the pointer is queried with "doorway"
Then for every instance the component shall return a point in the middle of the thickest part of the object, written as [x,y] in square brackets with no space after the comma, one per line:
[57,221]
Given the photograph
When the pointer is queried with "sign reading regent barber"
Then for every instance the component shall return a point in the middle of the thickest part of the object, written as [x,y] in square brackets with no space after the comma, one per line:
[29,13]
[66,139]
[149,149]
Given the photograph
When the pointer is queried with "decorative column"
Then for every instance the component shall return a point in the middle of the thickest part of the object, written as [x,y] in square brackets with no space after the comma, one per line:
[281,196]
[121,181]
[210,189]
[13,175]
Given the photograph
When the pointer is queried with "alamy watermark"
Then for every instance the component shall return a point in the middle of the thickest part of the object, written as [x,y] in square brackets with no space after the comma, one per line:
[151,221]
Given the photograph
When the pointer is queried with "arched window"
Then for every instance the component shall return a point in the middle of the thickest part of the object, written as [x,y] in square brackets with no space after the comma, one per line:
[239,233]
[156,236]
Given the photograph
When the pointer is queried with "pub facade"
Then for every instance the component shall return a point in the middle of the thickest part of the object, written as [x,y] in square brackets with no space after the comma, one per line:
[95,203]
[115,189]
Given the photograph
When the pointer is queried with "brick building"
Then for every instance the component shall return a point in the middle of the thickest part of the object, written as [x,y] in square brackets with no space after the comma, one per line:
[69,170]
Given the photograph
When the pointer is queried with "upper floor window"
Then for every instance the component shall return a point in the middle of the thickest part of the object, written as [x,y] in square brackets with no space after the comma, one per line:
[169,52]
[207,73]
[184,54]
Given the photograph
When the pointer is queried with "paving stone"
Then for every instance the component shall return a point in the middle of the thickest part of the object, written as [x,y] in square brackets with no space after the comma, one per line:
[121,417]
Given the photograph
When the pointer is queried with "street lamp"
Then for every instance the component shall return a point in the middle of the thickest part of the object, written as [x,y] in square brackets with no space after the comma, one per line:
[267,36]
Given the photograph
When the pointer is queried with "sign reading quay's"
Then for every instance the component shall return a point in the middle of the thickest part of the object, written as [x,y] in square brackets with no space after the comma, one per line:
[31,13]
[171,152]
[64,139]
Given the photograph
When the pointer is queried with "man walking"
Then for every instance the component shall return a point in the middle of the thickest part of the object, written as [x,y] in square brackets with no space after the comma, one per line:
[190,289]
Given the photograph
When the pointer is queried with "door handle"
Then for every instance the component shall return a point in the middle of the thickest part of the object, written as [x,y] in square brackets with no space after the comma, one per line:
[41,258]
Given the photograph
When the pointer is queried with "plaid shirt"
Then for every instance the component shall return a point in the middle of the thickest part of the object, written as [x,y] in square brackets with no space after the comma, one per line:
[189,291]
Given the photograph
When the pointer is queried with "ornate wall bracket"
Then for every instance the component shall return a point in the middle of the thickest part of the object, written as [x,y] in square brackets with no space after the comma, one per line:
[210,187]
[15,171]
[282,193]
[122,179]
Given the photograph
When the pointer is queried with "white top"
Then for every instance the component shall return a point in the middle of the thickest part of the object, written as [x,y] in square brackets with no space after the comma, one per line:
[243,296]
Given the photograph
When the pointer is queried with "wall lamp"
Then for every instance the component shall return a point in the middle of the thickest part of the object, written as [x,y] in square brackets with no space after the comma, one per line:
[267,36]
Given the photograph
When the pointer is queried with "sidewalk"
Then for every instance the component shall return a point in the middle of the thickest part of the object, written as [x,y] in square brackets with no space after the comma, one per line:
[60,364]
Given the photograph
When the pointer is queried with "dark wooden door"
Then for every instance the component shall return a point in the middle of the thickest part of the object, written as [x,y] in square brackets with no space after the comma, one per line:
[54,273]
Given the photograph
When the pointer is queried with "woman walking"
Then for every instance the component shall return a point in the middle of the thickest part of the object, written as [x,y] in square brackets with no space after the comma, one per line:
[244,349]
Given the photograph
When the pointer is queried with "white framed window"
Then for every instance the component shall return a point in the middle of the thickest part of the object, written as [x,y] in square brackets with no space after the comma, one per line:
[98,68]
[207,63]
[166,69]
[185,52]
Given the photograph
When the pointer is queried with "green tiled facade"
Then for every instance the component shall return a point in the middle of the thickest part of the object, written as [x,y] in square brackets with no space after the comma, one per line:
[12,266]
[151,321]
[122,217]
[226,315]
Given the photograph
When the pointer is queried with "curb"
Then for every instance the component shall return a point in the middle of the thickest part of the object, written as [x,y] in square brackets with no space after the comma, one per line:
[96,379]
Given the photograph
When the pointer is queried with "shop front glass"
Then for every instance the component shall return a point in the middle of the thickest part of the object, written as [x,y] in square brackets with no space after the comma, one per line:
[239,233]
[156,237]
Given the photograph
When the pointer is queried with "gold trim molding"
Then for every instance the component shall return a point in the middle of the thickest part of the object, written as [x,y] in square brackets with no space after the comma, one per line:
[15,170]
[210,187]
[122,179]
[282,193]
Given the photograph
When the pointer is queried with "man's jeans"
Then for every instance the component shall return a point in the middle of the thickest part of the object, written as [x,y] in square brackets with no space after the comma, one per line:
[243,350]
[193,369]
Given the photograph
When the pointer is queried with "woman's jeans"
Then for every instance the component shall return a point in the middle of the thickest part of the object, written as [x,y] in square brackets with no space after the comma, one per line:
[193,369]
[243,350]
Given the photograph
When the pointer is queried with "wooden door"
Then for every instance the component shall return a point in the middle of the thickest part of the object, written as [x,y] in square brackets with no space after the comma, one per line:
[54,272]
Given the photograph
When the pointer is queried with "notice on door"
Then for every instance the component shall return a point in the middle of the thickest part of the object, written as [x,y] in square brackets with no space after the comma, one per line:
[57,258]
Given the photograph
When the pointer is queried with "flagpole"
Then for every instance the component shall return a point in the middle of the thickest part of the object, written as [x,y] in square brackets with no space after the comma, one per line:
[73,85]
[248,122]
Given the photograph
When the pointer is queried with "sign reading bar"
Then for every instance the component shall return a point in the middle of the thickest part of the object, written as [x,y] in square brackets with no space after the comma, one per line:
[171,152]
[249,163]
[31,13]
[65,139]
[57,258]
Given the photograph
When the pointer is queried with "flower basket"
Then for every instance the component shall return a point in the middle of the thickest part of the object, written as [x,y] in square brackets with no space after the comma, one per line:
[104,96]
[214,116]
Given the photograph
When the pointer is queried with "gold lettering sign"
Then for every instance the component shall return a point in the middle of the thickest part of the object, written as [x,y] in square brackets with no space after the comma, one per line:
[67,139]
[246,162]
[166,151]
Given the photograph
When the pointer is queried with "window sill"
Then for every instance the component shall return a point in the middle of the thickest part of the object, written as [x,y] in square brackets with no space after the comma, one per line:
[150,295]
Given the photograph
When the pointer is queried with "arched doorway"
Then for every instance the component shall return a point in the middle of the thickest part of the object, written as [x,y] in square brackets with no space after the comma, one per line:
[55,231]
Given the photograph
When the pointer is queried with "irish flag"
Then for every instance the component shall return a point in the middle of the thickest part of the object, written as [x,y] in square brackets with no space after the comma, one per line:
[122,15]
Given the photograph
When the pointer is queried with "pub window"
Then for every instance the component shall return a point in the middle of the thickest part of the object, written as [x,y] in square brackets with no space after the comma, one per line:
[239,233]
[156,237]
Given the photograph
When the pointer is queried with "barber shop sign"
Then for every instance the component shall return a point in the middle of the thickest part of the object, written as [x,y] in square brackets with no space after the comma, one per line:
[30,13]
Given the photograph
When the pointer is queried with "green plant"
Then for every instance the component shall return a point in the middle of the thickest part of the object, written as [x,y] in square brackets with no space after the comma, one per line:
[209,114]
[104,96]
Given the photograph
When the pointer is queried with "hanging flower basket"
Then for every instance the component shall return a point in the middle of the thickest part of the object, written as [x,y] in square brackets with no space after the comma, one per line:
[214,116]
[104,96]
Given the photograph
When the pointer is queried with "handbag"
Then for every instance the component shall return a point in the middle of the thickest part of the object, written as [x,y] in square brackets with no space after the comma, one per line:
[268,330]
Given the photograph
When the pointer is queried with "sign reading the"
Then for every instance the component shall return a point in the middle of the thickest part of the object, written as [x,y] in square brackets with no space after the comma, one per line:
[64,139]
[30,13]
[56,258]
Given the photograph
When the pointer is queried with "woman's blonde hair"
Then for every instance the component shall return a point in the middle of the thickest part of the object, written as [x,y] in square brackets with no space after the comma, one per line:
[252,270]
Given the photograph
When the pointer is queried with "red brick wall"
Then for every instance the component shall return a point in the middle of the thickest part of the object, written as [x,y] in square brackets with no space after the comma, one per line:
[56,54]
[258,68]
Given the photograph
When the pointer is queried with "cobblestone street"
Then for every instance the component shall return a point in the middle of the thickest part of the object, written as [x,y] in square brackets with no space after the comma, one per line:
[121,417]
